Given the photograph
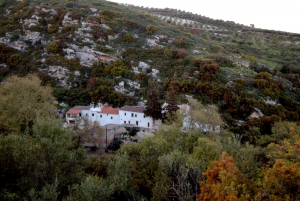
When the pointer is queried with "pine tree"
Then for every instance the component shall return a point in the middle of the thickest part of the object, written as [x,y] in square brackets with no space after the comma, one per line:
[153,107]
[172,106]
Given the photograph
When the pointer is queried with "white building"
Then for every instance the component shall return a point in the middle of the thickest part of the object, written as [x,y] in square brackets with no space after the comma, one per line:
[77,112]
[104,115]
[135,115]
[127,116]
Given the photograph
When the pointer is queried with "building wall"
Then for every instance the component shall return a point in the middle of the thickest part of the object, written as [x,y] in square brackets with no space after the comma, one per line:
[85,114]
[93,116]
[127,117]
[136,118]
[104,119]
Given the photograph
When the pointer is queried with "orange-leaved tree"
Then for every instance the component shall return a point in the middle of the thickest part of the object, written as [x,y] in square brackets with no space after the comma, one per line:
[281,182]
[224,181]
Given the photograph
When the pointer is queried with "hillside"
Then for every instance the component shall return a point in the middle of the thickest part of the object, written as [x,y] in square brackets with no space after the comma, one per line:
[241,78]
[237,67]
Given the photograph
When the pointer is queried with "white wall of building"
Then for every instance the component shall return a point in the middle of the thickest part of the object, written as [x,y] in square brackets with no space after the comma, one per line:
[85,114]
[94,115]
[136,118]
[104,119]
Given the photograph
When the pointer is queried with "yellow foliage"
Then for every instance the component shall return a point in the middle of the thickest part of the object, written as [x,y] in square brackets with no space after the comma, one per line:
[188,34]
[281,182]
[288,150]
[223,182]
[251,58]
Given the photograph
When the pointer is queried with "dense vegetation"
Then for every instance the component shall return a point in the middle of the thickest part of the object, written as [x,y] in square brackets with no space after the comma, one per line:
[160,55]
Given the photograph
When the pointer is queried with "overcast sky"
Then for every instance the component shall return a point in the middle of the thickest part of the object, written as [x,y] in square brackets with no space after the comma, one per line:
[283,15]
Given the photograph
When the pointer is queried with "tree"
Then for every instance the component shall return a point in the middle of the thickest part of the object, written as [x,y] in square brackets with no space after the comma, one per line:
[287,150]
[35,163]
[102,93]
[21,99]
[153,107]
[205,151]
[116,99]
[199,115]
[97,69]
[87,132]
[117,68]
[281,182]
[172,106]
[224,182]
[46,79]
[117,185]
[175,178]
[14,60]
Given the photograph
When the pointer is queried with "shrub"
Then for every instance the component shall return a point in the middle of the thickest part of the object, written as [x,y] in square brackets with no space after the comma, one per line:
[181,53]
[180,41]
[216,48]
[52,47]
[221,60]
[151,29]
[128,38]
[241,81]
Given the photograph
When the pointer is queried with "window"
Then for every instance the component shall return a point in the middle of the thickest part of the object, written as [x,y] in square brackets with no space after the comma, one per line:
[125,113]
[144,116]
[131,114]
[80,114]
[135,115]
[101,116]
[86,114]
[137,123]
[111,117]
[148,124]
[129,122]
[93,114]
[124,122]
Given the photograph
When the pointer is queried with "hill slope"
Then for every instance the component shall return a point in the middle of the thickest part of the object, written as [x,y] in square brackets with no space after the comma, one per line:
[103,51]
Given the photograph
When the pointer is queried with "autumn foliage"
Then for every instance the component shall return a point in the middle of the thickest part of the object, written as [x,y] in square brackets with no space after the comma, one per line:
[280,181]
[207,70]
[224,181]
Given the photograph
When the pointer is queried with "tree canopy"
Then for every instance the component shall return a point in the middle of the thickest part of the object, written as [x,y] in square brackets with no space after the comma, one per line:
[22,99]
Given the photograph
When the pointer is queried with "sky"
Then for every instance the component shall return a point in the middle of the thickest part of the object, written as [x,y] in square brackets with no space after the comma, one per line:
[279,15]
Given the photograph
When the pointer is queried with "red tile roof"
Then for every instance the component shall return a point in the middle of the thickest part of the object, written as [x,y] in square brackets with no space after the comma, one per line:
[108,110]
[77,109]
[72,111]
